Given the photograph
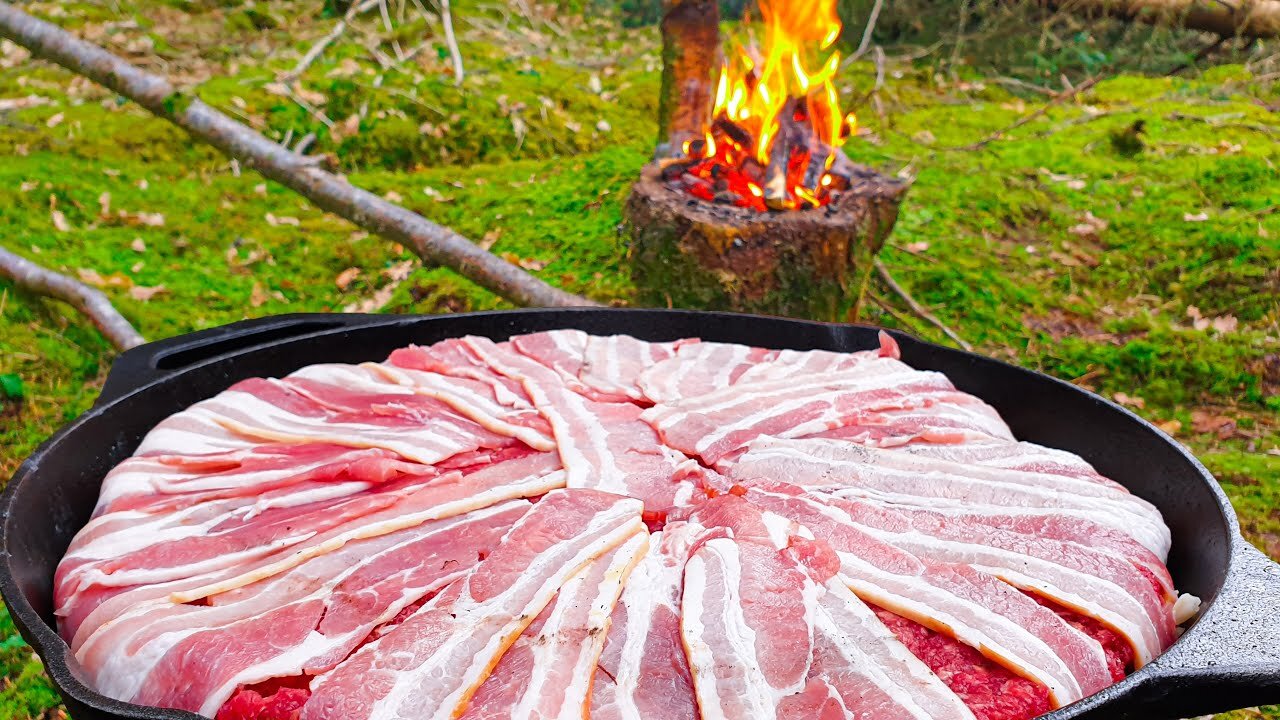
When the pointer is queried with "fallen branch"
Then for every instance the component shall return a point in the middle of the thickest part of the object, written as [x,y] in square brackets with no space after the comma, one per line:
[1032,116]
[89,301]
[1245,18]
[916,307]
[318,49]
[433,243]
[446,17]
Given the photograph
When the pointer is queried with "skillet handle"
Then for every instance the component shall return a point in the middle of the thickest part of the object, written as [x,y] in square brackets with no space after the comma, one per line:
[1228,660]
[154,361]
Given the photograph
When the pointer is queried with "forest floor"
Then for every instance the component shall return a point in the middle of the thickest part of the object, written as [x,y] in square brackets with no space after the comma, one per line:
[1144,266]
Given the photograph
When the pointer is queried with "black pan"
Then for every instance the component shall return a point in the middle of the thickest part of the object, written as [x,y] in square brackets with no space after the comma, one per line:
[1229,659]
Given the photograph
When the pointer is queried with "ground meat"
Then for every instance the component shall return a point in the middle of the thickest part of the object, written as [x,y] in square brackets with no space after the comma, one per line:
[991,691]
[272,700]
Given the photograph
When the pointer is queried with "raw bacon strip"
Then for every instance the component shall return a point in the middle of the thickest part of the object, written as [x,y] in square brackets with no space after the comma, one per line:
[798,363]
[976,608]
[372,387]
[867,670]
[176,656]
[418,428]
[643,671]
[154,483]
[84,610]
[428,667]
[604,446]
[716,424]
[612,364]
[909,479]
[957,421]
[547,673]
[747,625]
[1093,583]
[697,369]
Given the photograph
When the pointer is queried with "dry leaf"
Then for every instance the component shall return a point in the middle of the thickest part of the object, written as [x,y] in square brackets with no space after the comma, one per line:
[393,196]
[1198,217]
[1225,323]
[273,221]
[59,220]
[54,120]
[346,277]
[104,204]
[604,126]
[489,239]
[916,247]
[1170,427]
[1129,400]
[526,263]
[1206,422]
[144,293]
[257,296]
[7,104]
[92,277]
[260,189]
[28,186]
[143,184]
[138,246]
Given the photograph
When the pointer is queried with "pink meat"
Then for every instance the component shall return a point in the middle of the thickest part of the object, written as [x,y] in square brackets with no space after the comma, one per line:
[430,665]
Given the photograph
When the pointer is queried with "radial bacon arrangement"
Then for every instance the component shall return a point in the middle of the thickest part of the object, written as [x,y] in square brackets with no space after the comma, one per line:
[567,526]
[774,137]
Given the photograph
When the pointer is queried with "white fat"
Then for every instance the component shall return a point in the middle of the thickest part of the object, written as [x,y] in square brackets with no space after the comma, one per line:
[1185,608]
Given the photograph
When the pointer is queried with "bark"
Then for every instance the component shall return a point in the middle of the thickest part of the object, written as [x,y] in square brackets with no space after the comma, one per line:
[1228,18]
[434,243]
[798,263]
[690,54]
[89,301]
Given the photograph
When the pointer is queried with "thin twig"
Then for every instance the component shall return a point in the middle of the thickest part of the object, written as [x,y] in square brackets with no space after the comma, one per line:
[446,17]
[868,31]
[1032,116]
[313,111]
[90,301]
[318,49]
[434,243]
[916,307]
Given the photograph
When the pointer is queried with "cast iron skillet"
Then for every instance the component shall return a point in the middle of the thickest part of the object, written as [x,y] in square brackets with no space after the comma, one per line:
[1229,659]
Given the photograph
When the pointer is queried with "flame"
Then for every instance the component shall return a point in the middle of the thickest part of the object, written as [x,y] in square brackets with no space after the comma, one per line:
[756,86]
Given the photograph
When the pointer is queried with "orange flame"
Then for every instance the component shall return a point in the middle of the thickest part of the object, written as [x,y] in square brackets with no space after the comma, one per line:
[755,85]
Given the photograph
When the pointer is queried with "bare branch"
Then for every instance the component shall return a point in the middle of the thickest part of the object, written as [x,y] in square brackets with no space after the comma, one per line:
[433,243]
[870,30]
[446,17]
[318,49]
[1030,117]
[916,307]
[89,301]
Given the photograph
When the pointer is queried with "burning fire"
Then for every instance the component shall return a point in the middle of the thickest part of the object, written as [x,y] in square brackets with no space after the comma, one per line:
[777,127]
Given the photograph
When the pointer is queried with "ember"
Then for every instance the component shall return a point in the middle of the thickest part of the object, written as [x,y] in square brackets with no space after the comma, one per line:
[774,136]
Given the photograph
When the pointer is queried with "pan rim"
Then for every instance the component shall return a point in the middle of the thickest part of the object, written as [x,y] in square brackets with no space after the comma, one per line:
[53,650]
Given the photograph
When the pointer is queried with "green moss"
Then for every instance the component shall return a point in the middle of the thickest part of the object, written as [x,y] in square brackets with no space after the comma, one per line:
[990,240]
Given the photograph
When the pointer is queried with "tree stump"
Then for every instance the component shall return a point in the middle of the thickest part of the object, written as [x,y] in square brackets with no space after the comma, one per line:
[686,252]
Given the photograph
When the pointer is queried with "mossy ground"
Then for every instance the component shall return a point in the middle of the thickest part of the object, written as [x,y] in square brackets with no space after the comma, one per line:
[534,155]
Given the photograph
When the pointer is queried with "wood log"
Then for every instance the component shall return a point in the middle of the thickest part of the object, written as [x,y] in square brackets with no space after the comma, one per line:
[690,52]
[685,252]
[1227,18]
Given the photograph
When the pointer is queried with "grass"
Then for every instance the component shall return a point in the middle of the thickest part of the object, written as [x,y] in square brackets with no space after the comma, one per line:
[1072,244]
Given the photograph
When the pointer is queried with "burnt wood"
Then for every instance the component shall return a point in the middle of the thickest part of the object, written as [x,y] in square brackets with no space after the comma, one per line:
[813,263]
[1229,658]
